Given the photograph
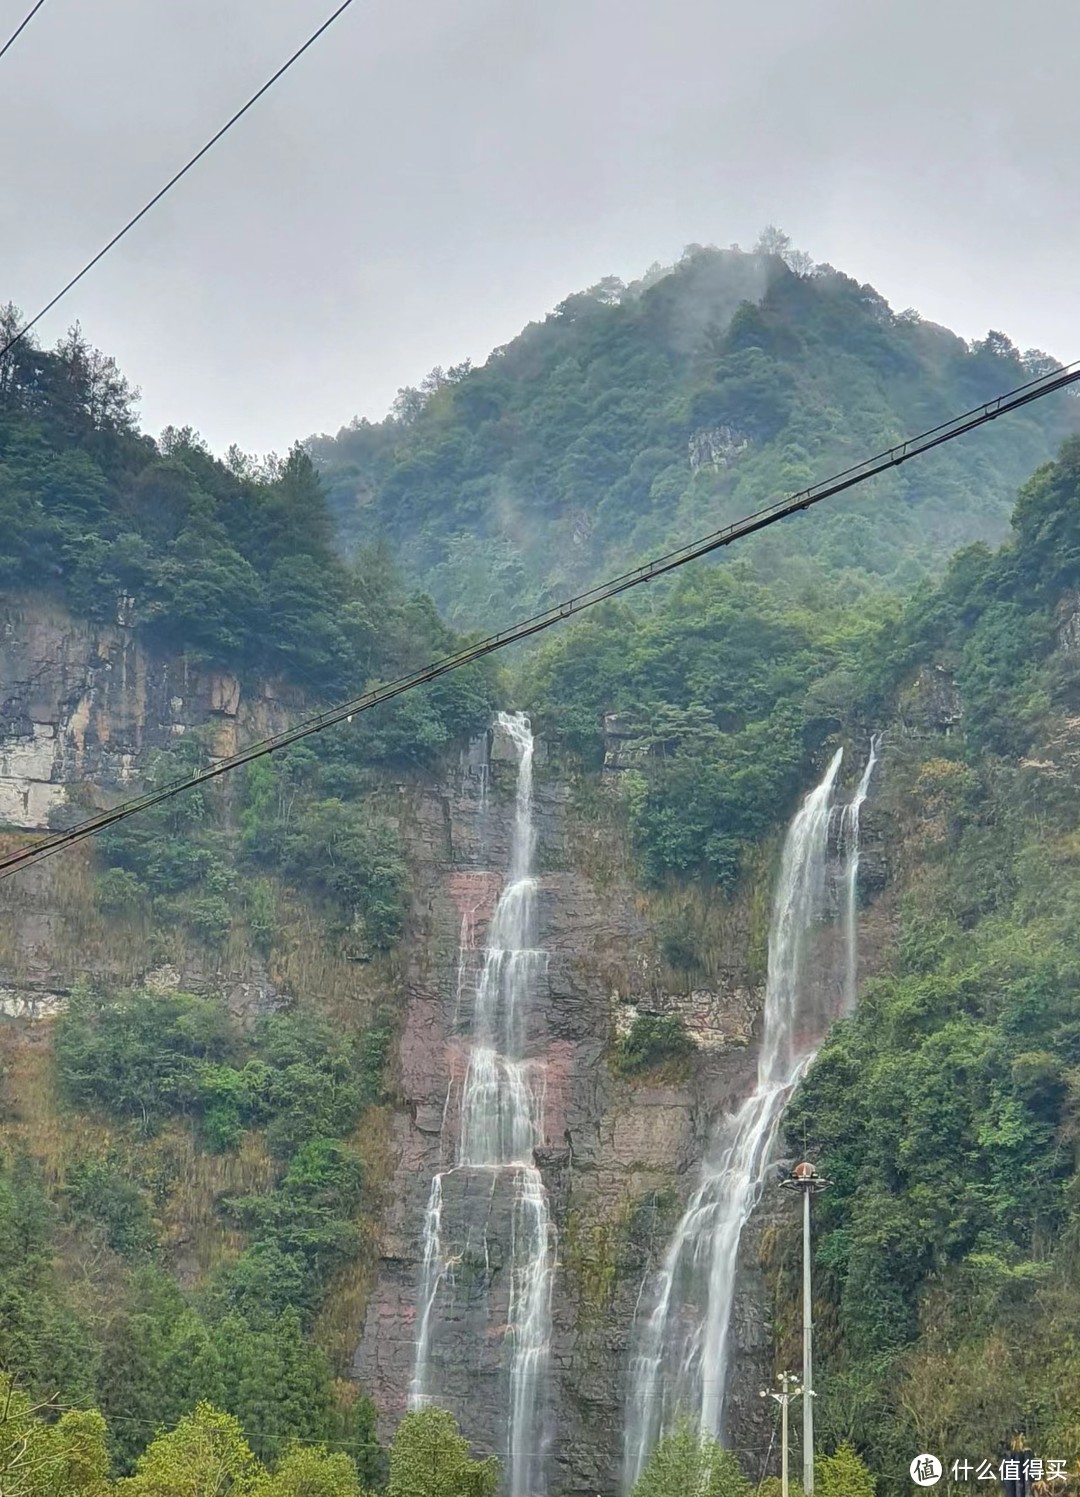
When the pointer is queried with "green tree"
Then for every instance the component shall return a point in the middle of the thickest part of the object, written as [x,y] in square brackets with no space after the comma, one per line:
[843,1474]
[430,1458]
[206,1455]
[40,1334]
[311,1472]
[276,1383]
[39,1458]
[688,1464]
[353,1428]
[157,1362]
[98,1191]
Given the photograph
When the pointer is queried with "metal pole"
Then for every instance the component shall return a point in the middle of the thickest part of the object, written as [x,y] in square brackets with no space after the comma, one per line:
[807,1352]
[789,1389]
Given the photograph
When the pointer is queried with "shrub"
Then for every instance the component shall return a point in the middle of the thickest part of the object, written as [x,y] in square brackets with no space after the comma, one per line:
[119,891]
[652,1040]
[679,940]
[141,1057]
[98,1191]
[302,1233]
[430,1458]
[312,1086]
[688,1462]
[211,917]
[374,1053]
[337,850]
[262,913]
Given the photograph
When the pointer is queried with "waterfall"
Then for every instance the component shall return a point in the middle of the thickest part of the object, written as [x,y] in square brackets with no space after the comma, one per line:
[430,1282]
[849,836]
[681,1349]
[501,1127]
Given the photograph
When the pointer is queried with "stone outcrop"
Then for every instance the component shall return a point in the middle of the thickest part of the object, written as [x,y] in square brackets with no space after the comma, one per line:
[84,704]
[931,706]
[715,447]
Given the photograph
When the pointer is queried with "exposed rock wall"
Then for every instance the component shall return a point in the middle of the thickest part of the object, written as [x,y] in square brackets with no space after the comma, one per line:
[84,703]
[620,1156]
[608,1146]
[82,707]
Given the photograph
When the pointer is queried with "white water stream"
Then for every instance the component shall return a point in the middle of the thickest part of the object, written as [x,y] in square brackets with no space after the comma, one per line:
[501,1126]
[681,1345]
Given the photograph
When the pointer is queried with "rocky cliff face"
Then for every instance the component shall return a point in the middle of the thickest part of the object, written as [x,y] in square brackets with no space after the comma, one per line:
[620,1156]
[84,704]
[81,708]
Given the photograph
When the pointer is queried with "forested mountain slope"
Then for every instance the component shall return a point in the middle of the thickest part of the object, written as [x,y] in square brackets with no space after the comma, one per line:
[946,1110]
[636,415]
[219,1047]
[230,561]
[196,1013]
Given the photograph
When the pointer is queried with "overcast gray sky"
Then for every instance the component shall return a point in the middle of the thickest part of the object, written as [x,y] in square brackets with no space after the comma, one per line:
[435,173]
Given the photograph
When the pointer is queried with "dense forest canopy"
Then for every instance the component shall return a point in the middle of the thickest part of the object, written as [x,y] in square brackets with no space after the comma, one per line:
[635,415]
[727,690]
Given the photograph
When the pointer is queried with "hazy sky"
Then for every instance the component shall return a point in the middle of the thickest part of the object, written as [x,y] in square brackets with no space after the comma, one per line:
[435,173]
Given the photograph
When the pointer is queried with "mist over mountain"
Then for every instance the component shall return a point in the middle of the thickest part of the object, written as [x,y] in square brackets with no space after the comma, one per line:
[638,415]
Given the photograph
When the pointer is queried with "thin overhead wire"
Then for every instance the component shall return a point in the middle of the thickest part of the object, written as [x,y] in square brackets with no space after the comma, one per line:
[892,457]
[23,24]
[171,183]
[53,1405]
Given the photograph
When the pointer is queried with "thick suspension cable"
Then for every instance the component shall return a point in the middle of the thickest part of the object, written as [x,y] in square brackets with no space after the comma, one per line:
[171,183]
[892,457]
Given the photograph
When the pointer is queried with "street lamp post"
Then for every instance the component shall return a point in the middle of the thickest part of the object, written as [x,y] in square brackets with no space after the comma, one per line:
[805,1178]
[789,1389]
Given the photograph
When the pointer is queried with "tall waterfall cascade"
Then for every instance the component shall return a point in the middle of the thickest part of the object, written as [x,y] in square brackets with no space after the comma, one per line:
[499,1104]
[849,837]
[681,1355]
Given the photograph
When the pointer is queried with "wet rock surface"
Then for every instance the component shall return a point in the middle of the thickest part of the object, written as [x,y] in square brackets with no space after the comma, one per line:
[621,1156]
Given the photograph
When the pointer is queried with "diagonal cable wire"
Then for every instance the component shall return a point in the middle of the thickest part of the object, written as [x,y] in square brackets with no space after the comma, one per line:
[145,209]
[23,24]
[892,457]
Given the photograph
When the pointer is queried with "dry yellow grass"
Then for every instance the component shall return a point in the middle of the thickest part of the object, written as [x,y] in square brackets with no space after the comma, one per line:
[33,1119]
[186,1183]
[341,1320]
[196,1237]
